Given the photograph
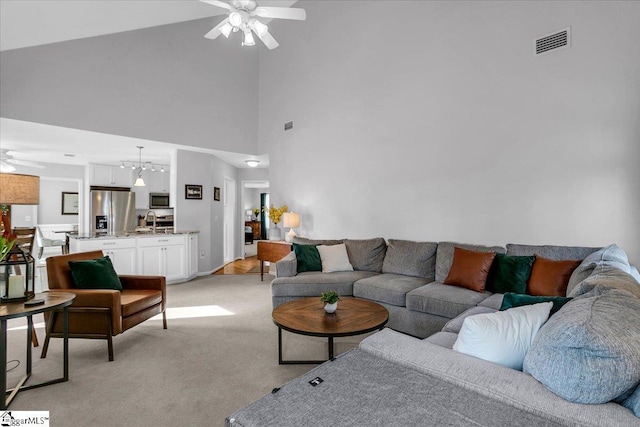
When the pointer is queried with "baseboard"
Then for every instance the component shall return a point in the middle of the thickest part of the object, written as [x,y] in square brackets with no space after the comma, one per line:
[206,273]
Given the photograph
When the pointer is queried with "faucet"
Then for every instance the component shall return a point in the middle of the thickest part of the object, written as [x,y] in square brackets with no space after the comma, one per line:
[153,227]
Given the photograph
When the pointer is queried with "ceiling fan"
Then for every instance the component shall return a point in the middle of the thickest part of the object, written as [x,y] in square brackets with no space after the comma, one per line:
[243,16]
[7,161]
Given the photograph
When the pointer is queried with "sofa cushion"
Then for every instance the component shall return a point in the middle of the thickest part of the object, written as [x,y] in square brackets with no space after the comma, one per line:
[494,301]
[416,259]
[308,258]
[469,269]
[366,255]
[444,255]
[334,258]
[511,300]
[306,241]
[609,256]
[502,337]
[443,339]
[443,300]
[136,300]
[589,352]
[388,288]
[313,283]
[549,277]
[454,325]
[509,273]
[95,274]
[556,253]
[607,278]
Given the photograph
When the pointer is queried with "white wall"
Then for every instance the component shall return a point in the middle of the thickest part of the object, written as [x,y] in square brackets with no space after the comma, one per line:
[434,121]
[205,215]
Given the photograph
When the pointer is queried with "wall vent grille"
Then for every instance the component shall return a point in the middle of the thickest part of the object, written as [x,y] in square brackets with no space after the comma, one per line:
[557,40]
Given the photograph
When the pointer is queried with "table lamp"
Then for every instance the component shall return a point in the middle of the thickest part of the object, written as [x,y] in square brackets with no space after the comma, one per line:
[17,270]
[291,220]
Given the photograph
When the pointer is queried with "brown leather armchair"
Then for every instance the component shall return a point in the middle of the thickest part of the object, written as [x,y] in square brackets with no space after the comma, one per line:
[103,313]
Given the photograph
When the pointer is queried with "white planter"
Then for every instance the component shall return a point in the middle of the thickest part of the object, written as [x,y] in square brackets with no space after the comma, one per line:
[275,234]
[330,308]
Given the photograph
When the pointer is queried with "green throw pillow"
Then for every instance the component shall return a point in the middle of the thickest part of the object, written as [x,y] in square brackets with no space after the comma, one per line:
[95,274]
[510,273]
[511,300]
[308,258]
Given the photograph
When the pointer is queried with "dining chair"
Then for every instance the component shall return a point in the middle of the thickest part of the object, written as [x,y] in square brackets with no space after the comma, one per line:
[44,242]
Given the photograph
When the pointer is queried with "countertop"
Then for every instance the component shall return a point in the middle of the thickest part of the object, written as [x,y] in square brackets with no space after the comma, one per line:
[126,234]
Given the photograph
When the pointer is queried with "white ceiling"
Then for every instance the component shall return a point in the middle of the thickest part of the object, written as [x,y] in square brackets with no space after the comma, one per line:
[36,22]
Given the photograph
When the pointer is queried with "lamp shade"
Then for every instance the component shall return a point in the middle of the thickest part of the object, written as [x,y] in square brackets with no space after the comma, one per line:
[17,189]
[291,219]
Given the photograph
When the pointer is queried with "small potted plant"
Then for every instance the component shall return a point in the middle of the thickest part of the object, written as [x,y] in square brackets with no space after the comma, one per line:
[330,299]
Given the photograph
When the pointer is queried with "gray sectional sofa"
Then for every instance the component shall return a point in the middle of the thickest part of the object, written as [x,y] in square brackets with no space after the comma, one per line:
[405,277]
[582,369]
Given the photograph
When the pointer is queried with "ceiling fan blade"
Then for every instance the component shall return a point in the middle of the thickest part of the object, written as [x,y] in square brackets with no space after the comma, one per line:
[268,40]
[215,32]
[281,13]
[218,4]
[25,163]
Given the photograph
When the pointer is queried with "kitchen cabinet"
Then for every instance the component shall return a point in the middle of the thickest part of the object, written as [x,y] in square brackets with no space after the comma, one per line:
[121,251]
[192,256]
[142,193]
[155,182]
[163,256]
[111,176]
[174,256]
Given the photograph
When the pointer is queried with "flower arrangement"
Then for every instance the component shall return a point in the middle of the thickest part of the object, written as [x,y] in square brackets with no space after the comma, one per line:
[275,214]
[256,212]
[8,239]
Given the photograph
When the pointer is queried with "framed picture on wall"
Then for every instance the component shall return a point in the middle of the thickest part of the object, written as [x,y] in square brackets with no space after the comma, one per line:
[193,192]
[216,193]
[69,203]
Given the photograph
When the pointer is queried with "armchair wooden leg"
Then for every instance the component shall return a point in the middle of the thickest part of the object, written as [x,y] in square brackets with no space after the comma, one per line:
[34,338]
[164,320]
[49,328]
[110,347]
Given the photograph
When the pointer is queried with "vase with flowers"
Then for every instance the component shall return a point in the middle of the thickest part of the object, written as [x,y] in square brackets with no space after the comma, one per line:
[275,215]
[8,239]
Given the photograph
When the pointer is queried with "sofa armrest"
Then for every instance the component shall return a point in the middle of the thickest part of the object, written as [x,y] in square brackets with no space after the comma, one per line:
[287,266]
[98,298]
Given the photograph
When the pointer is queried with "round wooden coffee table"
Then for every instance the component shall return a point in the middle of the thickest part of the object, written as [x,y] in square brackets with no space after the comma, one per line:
[306,316]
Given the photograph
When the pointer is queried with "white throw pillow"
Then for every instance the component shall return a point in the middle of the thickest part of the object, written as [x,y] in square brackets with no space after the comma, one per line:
[503,337]
[334,258]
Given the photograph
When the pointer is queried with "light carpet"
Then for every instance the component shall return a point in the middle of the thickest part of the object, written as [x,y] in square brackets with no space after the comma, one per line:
[219,354]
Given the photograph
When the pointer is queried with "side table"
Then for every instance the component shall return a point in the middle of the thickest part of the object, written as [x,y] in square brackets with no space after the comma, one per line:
[52,301]
[272,251]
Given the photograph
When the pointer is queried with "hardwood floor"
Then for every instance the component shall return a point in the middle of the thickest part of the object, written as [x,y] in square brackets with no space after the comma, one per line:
[249,265]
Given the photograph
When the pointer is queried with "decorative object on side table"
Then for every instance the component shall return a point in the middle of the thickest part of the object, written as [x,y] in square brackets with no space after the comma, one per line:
[17,268]
[290,220]
[275,214]
[330,299]
[256,213]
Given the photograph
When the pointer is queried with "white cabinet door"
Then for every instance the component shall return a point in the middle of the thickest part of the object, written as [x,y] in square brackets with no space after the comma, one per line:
[158,182]
[151,261]
[175,262]
[192,255]
[122,177]
[101,175]
[142,193]
[123,260]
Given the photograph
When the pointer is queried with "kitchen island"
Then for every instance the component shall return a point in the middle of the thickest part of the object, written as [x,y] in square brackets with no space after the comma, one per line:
[173,255]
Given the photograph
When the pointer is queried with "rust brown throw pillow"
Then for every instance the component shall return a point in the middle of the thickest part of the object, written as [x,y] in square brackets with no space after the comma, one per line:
[549,277]
[469,269]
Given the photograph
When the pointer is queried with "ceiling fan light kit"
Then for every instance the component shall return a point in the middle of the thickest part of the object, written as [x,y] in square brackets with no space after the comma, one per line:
[243,17]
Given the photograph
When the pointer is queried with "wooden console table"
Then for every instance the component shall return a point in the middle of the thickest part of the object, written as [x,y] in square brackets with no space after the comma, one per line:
[255,228]
[272,251]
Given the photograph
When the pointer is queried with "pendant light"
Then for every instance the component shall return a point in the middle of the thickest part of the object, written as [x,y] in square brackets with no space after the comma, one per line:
[139,181]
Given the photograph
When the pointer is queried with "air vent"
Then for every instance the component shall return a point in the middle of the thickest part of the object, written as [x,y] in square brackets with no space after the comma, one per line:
[557,40]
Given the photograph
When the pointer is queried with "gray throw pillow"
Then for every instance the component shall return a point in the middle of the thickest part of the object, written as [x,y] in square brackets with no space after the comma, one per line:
[633,402]
[366,255]
[417,259]
[589,352]
[607,278]
[609,256]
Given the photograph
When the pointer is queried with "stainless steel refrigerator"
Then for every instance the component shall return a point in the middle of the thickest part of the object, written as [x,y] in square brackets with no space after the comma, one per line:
[112,211]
